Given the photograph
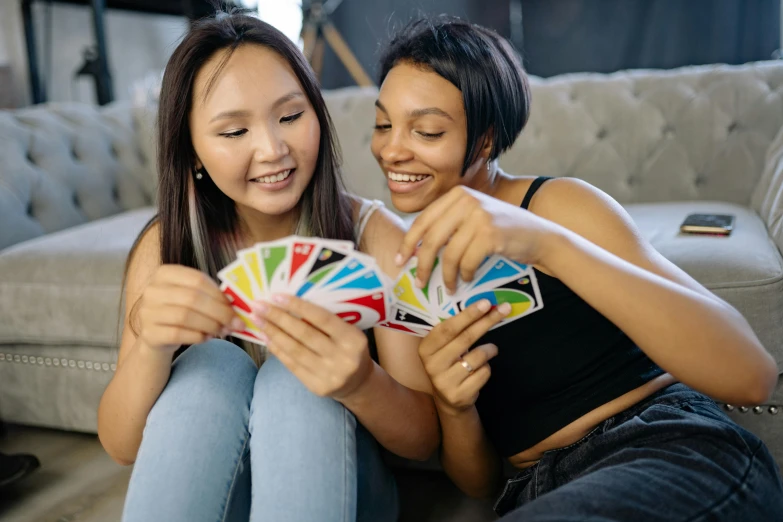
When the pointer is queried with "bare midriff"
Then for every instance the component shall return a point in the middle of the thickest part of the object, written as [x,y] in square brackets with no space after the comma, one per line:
[576,430]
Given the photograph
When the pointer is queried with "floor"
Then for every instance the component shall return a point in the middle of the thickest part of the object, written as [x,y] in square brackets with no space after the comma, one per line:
[78,482]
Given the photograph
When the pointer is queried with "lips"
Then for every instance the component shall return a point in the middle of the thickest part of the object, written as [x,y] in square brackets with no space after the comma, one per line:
[406,182]
[274,182]
[404,177]
[274,177]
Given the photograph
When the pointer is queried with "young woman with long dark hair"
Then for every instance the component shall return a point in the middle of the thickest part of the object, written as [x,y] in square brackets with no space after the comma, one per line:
[247,153]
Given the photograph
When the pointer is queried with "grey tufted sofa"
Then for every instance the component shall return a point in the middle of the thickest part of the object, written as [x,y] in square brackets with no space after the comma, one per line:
[77,184]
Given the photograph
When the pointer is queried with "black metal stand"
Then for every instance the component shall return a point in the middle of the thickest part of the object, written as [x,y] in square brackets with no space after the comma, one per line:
[104,91]
[103,83]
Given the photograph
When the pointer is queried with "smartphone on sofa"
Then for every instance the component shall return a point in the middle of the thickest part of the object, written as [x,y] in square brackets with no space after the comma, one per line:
[708,224]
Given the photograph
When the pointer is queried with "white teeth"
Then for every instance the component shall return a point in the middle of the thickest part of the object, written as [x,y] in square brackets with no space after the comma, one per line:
[402,178]
[274,178]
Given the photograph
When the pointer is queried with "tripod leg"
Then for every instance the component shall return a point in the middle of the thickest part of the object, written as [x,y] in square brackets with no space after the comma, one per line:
[345,55]
[308,40]
[317,60]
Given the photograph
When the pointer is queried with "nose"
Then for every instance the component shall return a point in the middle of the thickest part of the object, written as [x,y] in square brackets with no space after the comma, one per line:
[393,148]
[269,147]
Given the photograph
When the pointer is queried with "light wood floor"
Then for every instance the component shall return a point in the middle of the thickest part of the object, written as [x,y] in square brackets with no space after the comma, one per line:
[78,482]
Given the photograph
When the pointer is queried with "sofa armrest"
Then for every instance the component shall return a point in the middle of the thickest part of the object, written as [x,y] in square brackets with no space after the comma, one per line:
[768,195]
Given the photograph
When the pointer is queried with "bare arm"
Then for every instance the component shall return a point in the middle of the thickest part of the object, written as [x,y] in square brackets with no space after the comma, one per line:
[141,373]
[175,305]
[395,404]
[691,333]
[467,456]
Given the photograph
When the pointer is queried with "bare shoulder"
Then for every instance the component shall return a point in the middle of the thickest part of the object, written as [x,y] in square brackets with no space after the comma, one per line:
[382,235]
[143,260]
[593,214]
[586,210]
[144,257]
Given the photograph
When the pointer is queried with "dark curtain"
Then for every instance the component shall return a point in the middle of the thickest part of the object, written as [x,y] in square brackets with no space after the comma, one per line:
[608,35]
[560,36]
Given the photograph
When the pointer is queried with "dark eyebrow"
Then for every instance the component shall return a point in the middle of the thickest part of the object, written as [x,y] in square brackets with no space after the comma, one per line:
[418,113]
[225,115]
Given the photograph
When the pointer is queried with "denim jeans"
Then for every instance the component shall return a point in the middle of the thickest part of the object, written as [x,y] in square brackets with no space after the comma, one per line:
[674,457]
[229,442]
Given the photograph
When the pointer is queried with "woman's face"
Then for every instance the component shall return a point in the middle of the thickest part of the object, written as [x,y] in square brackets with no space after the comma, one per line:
[255,131]
[420,136]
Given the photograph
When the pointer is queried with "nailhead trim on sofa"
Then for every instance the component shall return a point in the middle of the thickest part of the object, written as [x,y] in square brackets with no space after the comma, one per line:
[772,409]
[57,362]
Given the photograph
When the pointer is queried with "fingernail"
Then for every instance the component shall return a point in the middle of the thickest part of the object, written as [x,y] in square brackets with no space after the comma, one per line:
[259,307]
[504,309]
[449,291]
[398,259]
[237,324]
[280,298]
[419,284]
[225,332]
[262,337]
[257,320]
[484,305]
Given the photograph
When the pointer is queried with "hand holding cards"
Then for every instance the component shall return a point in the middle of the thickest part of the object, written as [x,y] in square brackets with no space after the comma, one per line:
[499,280]
[350,284]
[328,273]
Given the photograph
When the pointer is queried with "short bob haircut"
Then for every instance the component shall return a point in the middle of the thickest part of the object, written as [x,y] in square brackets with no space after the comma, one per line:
[481,64]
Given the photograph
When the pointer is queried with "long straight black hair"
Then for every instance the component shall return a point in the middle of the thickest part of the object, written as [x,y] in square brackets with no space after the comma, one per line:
[199,225]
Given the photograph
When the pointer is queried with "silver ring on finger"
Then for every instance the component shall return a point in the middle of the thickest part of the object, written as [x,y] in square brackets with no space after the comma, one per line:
[465,364]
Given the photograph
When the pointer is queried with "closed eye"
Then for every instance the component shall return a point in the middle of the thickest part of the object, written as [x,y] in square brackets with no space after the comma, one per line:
[234,134]
[430,136]
[292,118]
[382,127]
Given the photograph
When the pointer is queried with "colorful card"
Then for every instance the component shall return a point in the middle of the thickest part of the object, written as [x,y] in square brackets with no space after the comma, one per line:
[329,273]
[497,279]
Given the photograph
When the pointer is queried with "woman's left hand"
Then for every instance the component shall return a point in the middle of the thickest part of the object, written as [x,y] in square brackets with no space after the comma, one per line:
[331,360]
[472,225]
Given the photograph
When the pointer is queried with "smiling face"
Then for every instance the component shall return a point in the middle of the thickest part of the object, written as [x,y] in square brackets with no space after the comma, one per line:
[255,132]
[420,136]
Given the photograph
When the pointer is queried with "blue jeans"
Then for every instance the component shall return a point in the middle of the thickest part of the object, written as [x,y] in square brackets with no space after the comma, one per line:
[228,442]
[674,457]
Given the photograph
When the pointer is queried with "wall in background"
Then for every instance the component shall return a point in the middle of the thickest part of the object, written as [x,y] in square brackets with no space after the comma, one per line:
[138,45]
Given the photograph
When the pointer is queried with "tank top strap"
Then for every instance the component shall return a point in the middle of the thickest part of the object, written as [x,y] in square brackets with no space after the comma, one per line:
[532,190]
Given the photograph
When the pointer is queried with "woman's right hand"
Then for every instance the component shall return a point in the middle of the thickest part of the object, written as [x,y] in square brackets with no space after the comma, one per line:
[457,374]
[182,305]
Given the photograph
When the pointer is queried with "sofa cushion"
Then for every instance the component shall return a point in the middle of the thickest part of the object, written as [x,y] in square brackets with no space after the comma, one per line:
[745,268]
[64,288]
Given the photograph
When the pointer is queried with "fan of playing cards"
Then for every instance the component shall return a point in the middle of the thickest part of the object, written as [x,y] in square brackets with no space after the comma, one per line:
[328,273]
[350,284]
[417,310]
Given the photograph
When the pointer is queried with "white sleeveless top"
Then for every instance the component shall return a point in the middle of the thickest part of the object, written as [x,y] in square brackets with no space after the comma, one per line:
[366,210]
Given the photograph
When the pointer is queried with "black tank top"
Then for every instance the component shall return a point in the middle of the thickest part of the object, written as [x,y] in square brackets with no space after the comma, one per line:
[555,365]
